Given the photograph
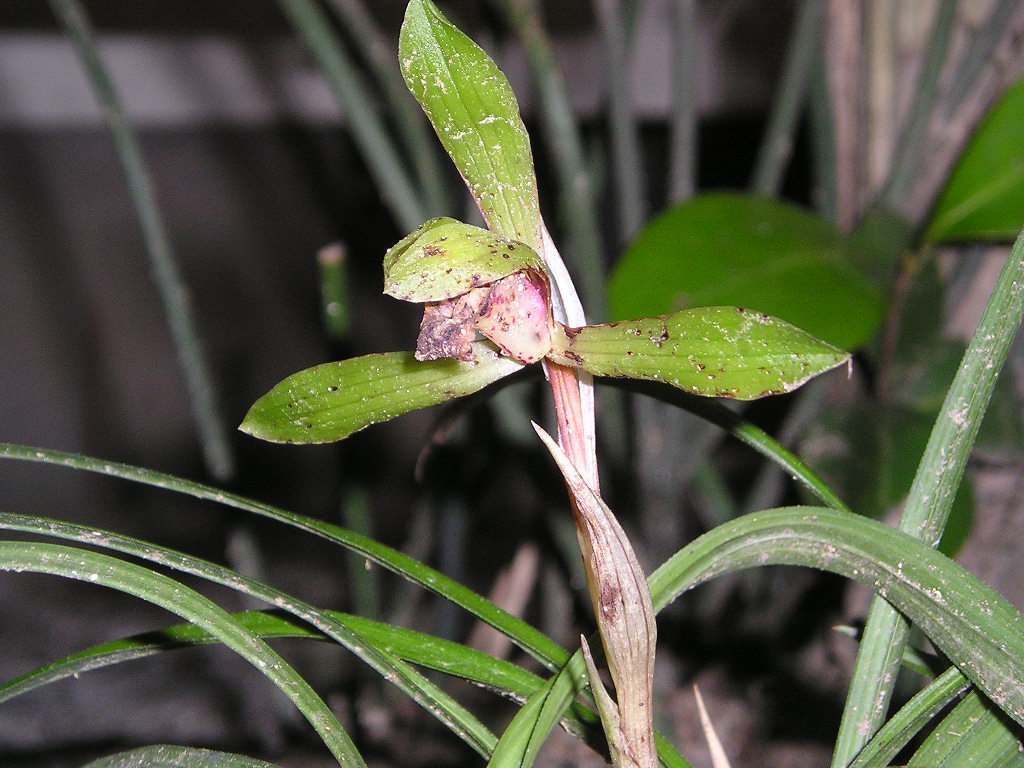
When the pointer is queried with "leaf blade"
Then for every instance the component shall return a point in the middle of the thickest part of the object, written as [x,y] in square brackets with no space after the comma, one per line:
[104,570]
[982,198]
[334,400]
[751,251]
[975,626]
[173,756]
[476,116]
[444,258]
[711,351]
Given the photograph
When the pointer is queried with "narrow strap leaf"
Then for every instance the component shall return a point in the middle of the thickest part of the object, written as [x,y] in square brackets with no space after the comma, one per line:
[172,756]
[83,565]
[975,626]
[930,499]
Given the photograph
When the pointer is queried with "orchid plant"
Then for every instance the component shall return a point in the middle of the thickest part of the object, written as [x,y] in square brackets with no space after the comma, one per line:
[508,284]
[499,299]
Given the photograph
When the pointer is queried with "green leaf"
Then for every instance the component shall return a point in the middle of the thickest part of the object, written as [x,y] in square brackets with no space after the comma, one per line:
[406,679]
[984,197]
[172,756]
[754,252]
[529,729]
[911,719]
[103,570]
[446,258]
[972,624]
[974,734]
[474,111]
[931,497]
[331,401]
[712,351]
[525,635]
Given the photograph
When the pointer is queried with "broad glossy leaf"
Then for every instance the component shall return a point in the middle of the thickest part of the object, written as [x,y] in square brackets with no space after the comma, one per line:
[173,756]
[972,624]
[754,252]
[445,258]
[474,111]
[331,401]
[984,198]
[711,351]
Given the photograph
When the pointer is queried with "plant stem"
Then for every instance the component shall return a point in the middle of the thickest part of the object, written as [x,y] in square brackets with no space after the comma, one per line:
[844,64]
[173,292]
[931,498]
[682,181]
[777,145]
[913,144]
[382,159]
[825,189]
[979,54]
[417,139]
[625,142]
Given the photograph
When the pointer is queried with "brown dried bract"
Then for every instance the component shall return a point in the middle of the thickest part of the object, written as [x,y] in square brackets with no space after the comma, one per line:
[448,327]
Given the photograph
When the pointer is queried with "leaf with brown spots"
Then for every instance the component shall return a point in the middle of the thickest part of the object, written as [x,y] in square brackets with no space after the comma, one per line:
[444,258]
[712,351]
[331,401]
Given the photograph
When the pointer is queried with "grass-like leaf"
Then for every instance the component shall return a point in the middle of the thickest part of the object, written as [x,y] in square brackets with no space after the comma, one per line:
[475,114]
[526,636]
[529,729]
[331,401]
[712,351]
[192,357]
[912,717]
[930,500]
[408,680]
[975,733]
[172,756]
[383,161]
[975,626]
[104,570]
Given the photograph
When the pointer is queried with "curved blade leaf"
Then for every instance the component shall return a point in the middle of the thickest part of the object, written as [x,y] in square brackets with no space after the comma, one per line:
[173,756]
[331,401]
[409,681]
[107,571]
[975,733]
[912,717]
[445,258]
[525,635]
[474,111]
[751,251]
[711,351]
[529,729]
[975,626]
